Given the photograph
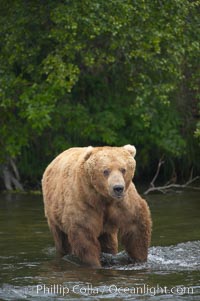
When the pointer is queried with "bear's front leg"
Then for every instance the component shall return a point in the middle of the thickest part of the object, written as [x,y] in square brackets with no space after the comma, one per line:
[85,246]
[136,233]
[109,242]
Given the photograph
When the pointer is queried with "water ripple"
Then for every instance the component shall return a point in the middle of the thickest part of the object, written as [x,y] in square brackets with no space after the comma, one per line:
[184,256]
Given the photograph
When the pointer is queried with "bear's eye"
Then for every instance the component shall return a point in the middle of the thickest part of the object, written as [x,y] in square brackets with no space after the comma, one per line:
[123,171]
[106,172]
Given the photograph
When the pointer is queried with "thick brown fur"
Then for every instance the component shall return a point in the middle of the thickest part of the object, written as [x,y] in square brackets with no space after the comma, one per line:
[85,209]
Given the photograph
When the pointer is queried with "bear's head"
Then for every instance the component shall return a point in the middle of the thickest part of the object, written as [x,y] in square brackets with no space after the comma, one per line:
[110,169]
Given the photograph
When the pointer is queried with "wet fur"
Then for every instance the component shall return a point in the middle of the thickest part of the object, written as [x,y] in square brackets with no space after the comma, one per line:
[84,219]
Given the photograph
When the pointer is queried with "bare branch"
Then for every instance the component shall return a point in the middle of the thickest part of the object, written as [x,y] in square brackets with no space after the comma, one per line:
[160,163]
[164,188]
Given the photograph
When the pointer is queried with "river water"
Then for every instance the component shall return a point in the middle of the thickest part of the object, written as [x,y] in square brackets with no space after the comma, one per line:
[30,269]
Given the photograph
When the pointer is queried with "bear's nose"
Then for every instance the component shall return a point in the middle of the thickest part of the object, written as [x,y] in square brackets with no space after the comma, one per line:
[118,189]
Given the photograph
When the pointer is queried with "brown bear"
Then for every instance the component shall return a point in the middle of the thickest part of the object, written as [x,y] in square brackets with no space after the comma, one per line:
[89,198]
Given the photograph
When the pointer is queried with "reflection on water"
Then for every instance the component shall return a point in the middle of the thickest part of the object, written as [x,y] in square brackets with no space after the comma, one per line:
[30,269]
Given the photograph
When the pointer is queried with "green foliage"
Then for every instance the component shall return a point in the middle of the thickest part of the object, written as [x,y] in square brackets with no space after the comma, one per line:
[99,72]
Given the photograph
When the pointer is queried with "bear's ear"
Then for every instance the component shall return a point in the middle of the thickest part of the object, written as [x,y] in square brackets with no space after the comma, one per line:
[131,149]
[88,152]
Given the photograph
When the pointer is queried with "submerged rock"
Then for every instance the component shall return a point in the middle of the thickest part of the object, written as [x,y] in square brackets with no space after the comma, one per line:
[106,259]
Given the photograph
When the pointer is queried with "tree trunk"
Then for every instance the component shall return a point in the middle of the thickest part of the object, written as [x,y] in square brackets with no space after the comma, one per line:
[11,176]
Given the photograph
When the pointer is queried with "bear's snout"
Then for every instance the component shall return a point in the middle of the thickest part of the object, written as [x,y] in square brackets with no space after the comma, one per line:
[118,190]
[116,185]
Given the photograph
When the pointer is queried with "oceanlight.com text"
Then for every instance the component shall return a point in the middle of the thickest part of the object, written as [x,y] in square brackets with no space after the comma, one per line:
[90,290]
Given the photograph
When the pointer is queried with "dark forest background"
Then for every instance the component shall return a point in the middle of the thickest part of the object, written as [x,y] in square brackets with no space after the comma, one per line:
[77,73]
